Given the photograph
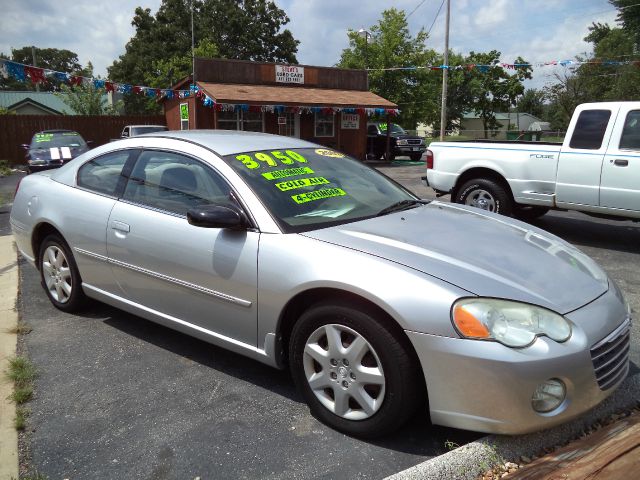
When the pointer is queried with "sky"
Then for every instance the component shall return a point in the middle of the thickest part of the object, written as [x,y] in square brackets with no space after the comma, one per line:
[537,30]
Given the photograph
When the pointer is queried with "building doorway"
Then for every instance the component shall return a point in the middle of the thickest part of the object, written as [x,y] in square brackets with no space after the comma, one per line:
[289,124]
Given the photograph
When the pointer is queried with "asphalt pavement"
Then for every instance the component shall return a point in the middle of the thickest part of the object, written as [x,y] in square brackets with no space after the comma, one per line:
[121,397]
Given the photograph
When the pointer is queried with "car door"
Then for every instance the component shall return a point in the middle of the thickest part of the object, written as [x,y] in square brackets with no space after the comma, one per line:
[620,182]
[580,163]
[98,182]
[204,278]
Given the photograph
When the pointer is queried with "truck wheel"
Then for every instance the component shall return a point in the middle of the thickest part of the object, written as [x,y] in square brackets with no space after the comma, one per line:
[527,212]
[485,194]
[415,157]
[389,159]
[355,374]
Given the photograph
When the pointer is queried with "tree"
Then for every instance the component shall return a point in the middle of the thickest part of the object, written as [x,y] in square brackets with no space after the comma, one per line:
[245,29]
[165,72]
[391,45]
[532,101]
[491,88]
[59,60]
[86,99]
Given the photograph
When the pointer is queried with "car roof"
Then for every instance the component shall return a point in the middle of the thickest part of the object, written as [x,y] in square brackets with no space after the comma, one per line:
[145,125]
[58,131]
[228,142]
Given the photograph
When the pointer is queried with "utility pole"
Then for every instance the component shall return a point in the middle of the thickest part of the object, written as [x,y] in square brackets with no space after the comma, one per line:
[445,76]
[33,54]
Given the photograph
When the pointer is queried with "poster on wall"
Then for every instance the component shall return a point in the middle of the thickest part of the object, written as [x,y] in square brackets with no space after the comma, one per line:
[184,116]
[350,121]
[289,74]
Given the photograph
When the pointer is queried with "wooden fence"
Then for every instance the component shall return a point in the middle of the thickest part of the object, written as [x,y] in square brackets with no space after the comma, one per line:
[18,129]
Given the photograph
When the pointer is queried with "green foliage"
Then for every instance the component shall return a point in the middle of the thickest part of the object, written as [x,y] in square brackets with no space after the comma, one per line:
[5,170]
[60,60]
[87,100]
[491,89]
[166,72]
[247,30]
[532,101]
[21,395]
[594,82]
[21,371]
[20,420]
[391,45]
[6,111]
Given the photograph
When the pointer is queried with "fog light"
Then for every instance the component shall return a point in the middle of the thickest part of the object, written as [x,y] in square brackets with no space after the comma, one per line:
[548,395]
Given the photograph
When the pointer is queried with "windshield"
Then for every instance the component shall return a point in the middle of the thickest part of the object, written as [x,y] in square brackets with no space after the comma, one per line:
[397,129]
[311,188]
[150,129]
[58,139]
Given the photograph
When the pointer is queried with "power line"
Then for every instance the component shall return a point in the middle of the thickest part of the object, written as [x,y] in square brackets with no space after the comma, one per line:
[436,17]
[413,11]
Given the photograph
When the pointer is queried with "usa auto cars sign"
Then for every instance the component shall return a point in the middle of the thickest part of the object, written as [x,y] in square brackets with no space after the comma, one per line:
[289,74]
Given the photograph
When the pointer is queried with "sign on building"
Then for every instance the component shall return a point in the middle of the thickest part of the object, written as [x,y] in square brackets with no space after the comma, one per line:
[184,116]
[350,121]
[289,74]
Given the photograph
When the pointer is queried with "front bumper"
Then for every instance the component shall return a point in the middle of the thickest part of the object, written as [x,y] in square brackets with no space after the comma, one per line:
[409,150]
[487,387]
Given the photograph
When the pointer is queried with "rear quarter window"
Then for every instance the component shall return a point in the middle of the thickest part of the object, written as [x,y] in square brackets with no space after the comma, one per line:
[102,174]
[590,129]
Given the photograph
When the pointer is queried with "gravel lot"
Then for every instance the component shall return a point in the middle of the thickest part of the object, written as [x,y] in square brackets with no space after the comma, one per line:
[121,397]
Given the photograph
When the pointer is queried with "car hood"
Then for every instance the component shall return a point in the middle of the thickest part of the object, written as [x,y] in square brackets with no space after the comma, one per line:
[45,153]
[483,253]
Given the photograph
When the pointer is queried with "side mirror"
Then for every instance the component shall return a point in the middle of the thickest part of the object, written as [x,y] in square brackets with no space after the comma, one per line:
[217,216]
[125,134]
[25,146]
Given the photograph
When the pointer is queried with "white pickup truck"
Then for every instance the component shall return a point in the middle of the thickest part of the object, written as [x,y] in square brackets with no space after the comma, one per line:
[596,170]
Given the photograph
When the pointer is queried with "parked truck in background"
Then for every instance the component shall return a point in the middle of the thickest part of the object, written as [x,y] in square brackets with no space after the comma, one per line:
[596,170]
[401,143]
[135,130]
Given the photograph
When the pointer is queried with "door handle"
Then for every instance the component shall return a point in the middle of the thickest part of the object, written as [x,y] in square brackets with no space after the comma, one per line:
[621,163]
[120,226]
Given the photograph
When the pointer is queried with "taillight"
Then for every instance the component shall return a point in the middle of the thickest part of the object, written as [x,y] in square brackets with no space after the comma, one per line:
[429,159]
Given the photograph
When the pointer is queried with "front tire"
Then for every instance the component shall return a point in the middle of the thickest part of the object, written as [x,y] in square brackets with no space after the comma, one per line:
[355,374]
[485,194]
[59,274]
[415,157]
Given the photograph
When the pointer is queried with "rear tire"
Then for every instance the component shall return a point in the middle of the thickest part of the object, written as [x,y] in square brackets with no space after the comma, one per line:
[356,375]
[59,274]
[415,157]
[485,194]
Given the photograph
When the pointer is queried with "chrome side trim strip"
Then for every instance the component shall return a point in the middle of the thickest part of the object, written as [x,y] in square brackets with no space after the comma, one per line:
[198,288]
[141,308]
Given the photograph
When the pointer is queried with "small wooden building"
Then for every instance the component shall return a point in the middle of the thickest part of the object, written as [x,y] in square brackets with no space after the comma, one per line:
[329,106]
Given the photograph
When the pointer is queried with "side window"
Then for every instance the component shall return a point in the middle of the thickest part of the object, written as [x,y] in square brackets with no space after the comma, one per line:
[174,183]
[590,128]
[101,175]
[630,139]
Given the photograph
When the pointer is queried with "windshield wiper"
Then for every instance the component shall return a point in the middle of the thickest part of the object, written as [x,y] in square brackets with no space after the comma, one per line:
[401,205]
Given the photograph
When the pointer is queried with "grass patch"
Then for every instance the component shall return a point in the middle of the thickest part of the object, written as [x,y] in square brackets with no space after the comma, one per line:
[5,170]
[20,422]
[22,372]
[21,394]
[21,328]
[32,476]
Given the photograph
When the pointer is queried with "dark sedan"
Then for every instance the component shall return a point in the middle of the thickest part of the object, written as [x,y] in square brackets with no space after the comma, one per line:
[53,148]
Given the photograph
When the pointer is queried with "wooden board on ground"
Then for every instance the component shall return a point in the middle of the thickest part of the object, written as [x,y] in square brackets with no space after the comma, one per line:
[611,453]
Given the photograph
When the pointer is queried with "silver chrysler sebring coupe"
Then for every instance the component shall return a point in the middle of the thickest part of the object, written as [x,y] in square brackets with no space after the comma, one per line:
[298,256]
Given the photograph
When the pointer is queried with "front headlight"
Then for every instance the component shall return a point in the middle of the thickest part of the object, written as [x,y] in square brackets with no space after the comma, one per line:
[513,324]
[402,142]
